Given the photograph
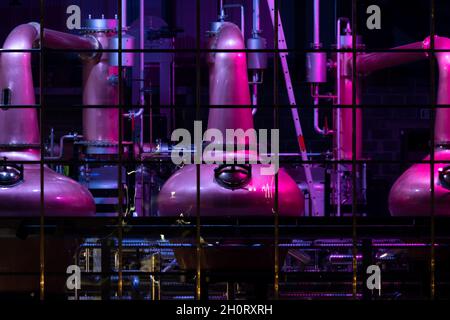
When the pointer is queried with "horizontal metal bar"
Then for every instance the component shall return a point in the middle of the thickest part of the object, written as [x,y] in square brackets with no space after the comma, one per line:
[208,50]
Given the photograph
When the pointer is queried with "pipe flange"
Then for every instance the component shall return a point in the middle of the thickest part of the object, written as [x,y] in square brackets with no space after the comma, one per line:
[100,25]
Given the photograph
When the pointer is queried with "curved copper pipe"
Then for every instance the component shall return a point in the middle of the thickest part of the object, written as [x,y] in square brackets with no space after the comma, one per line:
[370,62]
[61,40]
[19,126]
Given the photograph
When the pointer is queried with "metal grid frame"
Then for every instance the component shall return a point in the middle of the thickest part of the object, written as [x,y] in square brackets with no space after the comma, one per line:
[276,107]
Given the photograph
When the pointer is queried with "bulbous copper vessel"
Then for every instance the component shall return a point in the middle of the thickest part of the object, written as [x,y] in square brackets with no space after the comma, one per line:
[229,86]
[20,191]
[20,186]
[411,193]
[226,190]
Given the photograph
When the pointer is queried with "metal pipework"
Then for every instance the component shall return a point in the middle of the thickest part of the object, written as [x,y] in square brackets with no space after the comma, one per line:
[257,61]
[239,6]
[61,145]
[222,15]
[316,68]
[317,43]
[256,30]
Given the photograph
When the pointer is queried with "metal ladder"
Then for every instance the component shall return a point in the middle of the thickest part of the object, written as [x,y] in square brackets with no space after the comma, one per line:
[292,101]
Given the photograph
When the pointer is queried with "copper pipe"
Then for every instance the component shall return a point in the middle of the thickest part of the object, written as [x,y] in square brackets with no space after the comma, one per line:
[370,62]
[61,40]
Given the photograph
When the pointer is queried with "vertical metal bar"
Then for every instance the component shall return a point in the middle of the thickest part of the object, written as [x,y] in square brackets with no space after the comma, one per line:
[339,55]
[105,252]
[152,277]
[354,167]
[119,182]
[276,120]
[433,146]
[41,162]
[198,284]
[141,54]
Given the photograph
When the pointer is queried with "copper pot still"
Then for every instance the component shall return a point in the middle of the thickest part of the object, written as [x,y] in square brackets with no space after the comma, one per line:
[228,86]
[20,185]
[411,193]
